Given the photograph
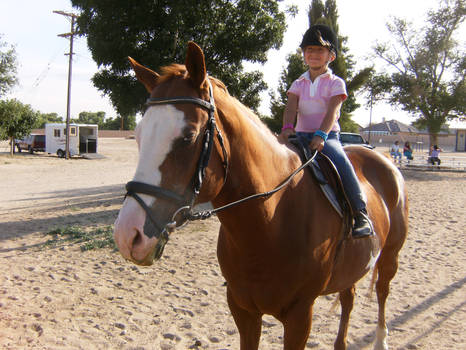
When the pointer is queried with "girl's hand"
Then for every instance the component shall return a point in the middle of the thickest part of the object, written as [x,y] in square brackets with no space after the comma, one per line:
[317,143]
[285,134]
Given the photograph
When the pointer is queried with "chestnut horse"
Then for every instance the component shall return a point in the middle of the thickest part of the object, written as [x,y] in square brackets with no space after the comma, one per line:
[277,254]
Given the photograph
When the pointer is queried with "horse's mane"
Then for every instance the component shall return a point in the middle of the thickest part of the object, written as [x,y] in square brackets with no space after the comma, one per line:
[179,71]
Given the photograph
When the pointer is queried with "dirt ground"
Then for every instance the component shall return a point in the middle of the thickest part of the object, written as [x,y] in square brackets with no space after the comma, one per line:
[58,297]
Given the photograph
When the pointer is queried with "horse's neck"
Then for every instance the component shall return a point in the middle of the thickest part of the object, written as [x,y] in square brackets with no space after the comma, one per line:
[258,160]
[258,163]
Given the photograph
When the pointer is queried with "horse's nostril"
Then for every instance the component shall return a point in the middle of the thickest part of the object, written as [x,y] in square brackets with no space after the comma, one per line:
[137,239]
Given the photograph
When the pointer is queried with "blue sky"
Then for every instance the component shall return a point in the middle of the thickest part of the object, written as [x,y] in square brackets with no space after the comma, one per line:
[32,27]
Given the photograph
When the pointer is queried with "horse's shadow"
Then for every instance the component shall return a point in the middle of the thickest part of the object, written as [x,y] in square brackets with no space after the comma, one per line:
[361,342]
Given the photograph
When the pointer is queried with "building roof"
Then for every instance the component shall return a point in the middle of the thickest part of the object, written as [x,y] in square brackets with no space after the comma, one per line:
[392,126]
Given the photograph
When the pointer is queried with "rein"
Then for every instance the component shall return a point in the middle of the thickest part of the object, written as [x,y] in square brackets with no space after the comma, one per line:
[201,215]
[134,188]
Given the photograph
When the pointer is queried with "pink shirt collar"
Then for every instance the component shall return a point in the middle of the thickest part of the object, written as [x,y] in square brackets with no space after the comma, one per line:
[313,85]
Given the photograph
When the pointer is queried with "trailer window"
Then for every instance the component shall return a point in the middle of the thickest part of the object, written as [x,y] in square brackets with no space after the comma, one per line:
[72,131]
[56,132]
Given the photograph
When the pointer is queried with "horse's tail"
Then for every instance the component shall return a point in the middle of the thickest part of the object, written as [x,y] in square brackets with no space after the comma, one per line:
[335,304]
[370,292]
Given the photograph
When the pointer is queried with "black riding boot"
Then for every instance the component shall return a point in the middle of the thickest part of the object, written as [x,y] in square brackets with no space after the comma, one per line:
[362,225]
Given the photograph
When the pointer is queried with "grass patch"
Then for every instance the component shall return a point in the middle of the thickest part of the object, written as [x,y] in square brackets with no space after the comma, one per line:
[100,237]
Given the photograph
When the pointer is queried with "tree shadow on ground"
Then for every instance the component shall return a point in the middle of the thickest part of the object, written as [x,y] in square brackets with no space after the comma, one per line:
[62,209]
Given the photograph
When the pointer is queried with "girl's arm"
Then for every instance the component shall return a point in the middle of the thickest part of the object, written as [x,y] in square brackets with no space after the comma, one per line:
[289,115]
[330,118]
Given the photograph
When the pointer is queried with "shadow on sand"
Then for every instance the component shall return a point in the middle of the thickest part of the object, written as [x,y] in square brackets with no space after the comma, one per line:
[62,209]
[362,342]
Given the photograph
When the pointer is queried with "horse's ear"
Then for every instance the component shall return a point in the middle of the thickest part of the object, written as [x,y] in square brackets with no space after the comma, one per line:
[145,75]
[195,64]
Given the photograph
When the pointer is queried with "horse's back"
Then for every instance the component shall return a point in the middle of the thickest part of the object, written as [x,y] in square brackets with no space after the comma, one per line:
[378,172]
[384,188]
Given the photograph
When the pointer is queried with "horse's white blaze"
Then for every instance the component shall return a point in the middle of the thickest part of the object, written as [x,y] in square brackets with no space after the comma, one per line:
[157,130]
[155,134]
[381,338]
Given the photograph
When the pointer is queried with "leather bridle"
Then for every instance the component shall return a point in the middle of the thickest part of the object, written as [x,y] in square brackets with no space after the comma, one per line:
[186,201]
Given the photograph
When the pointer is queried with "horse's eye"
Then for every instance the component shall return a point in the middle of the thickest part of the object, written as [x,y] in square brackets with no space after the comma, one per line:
[189,138]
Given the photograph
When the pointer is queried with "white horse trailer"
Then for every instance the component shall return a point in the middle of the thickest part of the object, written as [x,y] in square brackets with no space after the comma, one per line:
[83,139]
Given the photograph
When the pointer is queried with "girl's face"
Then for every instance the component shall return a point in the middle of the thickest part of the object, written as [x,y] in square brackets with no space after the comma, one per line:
[317,57]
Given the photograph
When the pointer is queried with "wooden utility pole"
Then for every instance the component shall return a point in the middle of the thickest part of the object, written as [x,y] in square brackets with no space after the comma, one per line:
[70,35]
[370,120]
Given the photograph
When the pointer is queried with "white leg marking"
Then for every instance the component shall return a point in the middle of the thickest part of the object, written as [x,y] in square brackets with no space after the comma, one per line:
[372,261]
[381,338]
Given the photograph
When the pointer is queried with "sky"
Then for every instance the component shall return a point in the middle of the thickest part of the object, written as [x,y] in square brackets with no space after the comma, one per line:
[33,28]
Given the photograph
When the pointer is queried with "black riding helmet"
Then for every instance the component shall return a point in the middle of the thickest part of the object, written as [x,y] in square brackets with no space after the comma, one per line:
[320,35]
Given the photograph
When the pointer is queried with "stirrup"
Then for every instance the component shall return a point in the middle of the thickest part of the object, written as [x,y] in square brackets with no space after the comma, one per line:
[365,230]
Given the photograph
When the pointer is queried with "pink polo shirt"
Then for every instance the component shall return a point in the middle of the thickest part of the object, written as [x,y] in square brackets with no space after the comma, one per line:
[314,98]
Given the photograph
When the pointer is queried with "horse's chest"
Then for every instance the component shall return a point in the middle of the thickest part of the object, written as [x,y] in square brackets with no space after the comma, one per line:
[263,287]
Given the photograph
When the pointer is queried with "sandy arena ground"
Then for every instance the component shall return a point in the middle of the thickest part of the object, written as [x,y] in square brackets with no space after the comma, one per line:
[57,297]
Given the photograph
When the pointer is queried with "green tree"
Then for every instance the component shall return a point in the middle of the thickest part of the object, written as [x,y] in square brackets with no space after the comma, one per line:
[7,67]
[155,33]
[16,120]
[91,118]
[342,66]
[45,118]
[295,68]
[426,67]
[115,123]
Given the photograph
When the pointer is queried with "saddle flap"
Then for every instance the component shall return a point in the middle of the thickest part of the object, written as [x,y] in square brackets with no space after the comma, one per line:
[326,174]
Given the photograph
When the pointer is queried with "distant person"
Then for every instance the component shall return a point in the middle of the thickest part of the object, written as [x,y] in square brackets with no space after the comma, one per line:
[395,151]
[408,151]
[434,155]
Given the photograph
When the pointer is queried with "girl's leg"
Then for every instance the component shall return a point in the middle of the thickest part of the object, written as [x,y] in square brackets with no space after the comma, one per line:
[334,150]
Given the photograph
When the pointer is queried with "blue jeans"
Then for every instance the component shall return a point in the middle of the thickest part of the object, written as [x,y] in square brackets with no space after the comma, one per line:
[334,150]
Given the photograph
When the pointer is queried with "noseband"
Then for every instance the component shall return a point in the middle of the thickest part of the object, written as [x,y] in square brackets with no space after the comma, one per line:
[184,202]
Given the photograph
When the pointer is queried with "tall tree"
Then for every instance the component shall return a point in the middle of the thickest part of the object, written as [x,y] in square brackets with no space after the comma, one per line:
[426,67]
[295,68]
[45,118]
[16,120]
[156,32]
[343,65]
[115,123]
[8,66]
[320,13]
[91,118]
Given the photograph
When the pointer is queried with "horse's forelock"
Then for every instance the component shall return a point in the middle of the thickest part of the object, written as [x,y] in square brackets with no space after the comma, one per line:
[172,71]
[179,71]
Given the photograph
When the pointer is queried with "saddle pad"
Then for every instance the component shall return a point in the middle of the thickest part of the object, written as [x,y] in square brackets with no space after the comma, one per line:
[326,175]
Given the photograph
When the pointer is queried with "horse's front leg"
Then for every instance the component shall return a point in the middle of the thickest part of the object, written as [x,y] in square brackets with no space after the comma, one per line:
[249,324]
[297,325]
